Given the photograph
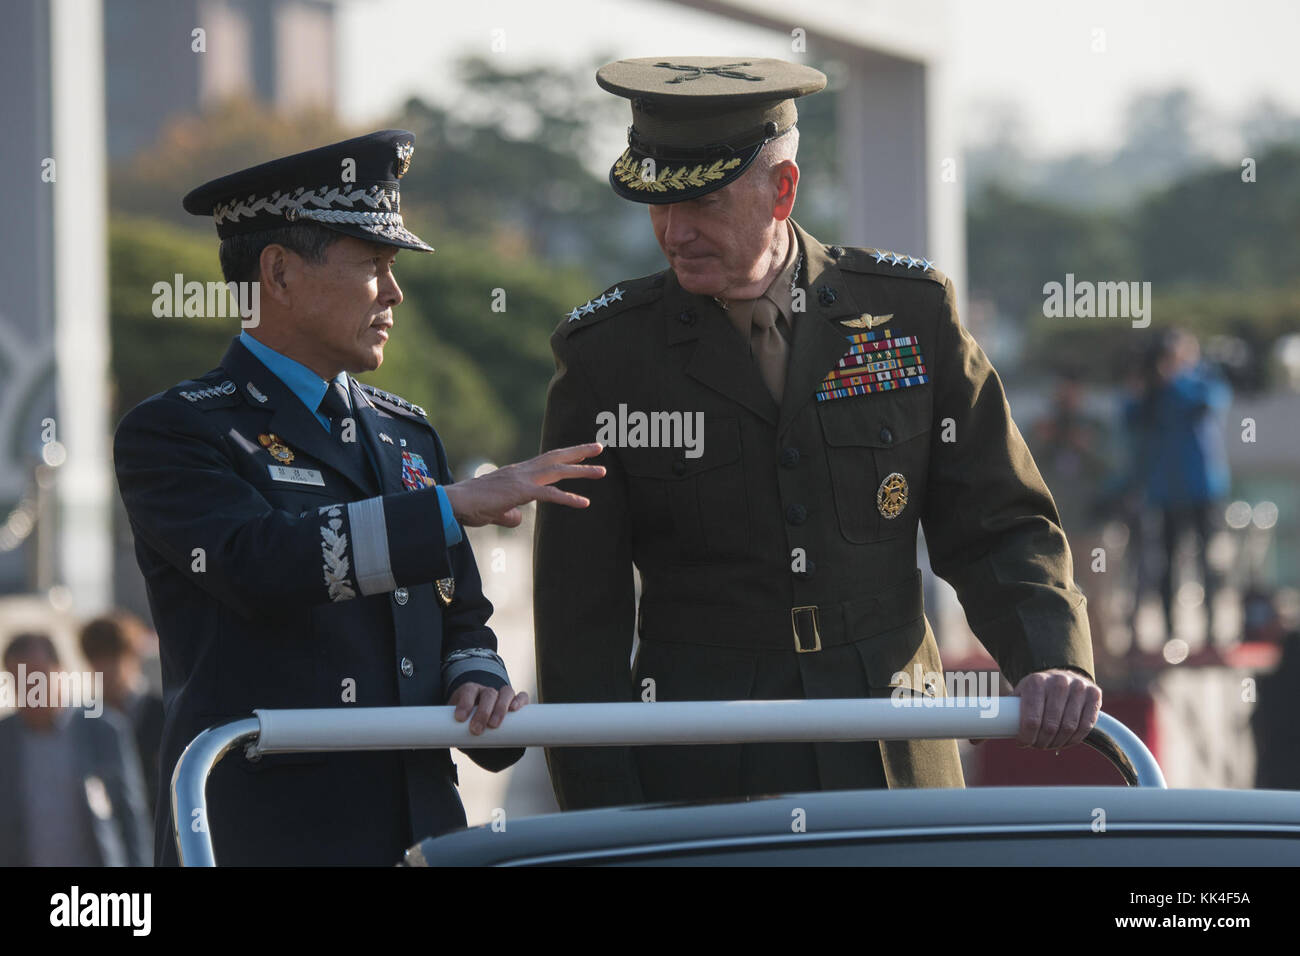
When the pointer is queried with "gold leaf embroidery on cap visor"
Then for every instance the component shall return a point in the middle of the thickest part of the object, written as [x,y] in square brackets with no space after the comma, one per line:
[628,172]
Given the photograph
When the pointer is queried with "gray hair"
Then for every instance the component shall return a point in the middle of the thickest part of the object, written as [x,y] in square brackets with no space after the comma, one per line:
[777,151]
[241,255]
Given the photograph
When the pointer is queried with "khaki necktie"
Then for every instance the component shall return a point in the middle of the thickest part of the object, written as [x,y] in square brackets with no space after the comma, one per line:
[768,346]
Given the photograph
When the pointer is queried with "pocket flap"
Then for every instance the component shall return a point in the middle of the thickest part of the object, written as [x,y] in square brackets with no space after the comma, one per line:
[878,420]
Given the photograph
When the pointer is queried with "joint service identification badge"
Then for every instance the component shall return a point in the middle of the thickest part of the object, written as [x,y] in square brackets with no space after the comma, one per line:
[891,496]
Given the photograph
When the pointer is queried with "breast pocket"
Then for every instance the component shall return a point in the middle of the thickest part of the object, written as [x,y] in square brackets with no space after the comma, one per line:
[701,503]
[878,452]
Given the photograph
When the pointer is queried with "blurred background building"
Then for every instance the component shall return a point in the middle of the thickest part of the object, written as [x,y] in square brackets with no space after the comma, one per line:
[1010,143]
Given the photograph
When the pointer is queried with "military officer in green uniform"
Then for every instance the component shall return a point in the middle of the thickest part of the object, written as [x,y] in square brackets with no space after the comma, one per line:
[842,405]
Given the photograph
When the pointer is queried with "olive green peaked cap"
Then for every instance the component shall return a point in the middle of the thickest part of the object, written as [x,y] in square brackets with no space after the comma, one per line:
[699,121]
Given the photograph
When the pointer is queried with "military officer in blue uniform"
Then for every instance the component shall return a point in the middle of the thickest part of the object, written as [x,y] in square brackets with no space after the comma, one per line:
[843,406]
[299,531]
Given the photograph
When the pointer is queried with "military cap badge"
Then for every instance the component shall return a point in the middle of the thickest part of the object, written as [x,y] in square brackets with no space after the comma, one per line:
[404,153]
[699,122]
[310,186]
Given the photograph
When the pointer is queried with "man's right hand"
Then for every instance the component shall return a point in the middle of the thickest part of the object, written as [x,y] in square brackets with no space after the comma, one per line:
[495,497]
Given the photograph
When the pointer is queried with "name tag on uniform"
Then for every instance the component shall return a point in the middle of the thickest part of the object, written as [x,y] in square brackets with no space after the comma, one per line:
[299,476]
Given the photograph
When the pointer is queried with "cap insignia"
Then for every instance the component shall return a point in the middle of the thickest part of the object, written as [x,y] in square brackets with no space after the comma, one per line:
[727,70]
[684,177]
[404,153]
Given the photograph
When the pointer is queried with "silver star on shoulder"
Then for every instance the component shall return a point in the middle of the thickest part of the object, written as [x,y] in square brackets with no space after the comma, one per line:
[895,258]
[912,261]
[602,302]
[575,314]
[616,295]
[879,256]
[589,308]
[927,265]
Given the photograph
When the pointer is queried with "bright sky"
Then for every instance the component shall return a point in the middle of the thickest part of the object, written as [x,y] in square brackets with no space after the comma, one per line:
[1036,53]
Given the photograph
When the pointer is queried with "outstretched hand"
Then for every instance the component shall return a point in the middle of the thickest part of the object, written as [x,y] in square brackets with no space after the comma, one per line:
[495,498]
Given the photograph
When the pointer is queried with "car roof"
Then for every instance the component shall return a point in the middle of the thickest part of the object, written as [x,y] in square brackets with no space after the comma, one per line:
[620,831]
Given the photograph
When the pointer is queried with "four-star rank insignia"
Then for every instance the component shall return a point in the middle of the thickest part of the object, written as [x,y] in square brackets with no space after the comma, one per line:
[591,305]
[276,446]
[894,259]
[891,496]
[415,473]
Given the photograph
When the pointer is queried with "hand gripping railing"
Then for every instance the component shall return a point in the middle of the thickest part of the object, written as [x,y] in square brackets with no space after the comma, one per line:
[620,724]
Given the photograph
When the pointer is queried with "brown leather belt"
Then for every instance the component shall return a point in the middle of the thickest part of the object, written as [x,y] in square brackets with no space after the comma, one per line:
[805,629]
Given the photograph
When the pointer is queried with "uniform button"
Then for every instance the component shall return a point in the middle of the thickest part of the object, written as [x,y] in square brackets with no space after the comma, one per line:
[687,317]
[836,251]
[826,295]
[679,467]
[789,457]
[796,514]
[401,596]
[886,435]
[408,669]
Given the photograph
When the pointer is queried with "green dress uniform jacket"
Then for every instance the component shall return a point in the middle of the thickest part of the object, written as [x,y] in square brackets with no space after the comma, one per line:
[728,611]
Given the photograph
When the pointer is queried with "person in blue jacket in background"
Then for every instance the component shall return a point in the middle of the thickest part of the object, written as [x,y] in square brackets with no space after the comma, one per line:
[1181,459]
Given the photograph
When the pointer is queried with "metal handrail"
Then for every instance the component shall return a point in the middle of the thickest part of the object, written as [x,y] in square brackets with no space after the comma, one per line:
[610,725]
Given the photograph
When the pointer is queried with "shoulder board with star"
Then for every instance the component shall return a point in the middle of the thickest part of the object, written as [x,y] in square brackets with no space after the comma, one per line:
[394,403]
[213,390]
[617,298]
[886,262]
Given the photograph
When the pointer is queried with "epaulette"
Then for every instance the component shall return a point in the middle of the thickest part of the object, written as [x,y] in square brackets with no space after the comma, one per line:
[197,392]
[395,402]
[882,262]
[612,301]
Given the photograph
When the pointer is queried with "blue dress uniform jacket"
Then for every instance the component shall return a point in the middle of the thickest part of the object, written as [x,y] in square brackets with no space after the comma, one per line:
[782,560]
[303,578]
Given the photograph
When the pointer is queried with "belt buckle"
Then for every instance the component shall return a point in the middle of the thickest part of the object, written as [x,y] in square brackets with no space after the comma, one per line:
[809,612]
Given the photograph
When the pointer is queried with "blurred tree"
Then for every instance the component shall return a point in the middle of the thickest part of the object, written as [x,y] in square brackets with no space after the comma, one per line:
[1219,253]
[152,354]
[1211,228]
[1017,243]
[193,149]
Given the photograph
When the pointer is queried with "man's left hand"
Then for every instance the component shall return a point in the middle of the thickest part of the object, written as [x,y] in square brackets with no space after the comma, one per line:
[1058,708]
[492,704]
